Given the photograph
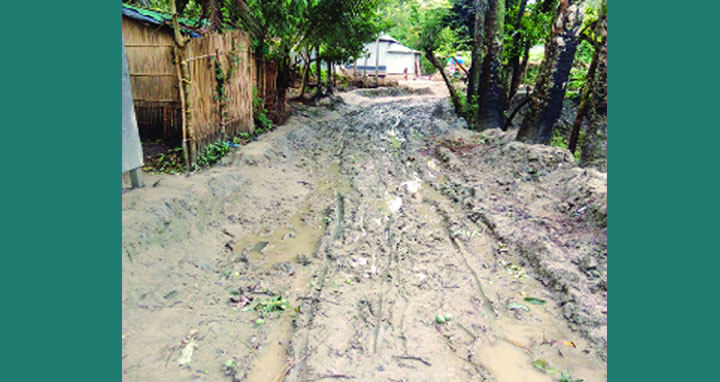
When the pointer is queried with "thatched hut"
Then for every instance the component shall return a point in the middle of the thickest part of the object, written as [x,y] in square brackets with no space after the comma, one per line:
[217,79]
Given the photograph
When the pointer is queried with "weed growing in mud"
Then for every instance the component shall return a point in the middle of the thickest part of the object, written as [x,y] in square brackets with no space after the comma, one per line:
[465,234]
[213,154]
[480,140]
[558,140]
[229,367]
[269,305]
[395,142]
[262,122]
[170,162]
[517,272]
[543,366]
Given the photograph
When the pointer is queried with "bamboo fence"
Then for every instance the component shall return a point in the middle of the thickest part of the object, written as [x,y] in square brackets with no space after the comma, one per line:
[153,79]
[212,116]
[158,94]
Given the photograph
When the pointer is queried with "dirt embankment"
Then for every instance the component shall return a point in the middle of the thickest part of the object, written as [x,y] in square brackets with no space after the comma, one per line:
[408,248]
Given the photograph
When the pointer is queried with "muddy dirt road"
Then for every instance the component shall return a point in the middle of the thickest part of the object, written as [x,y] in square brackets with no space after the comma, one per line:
[405,247]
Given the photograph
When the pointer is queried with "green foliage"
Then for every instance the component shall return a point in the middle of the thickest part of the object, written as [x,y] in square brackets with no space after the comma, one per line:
[558,140]
[531,74]
[170,162]
[212,154]
[272,304]
[534,28]
[262,121]
[579,70]
[426,66]
[469,110]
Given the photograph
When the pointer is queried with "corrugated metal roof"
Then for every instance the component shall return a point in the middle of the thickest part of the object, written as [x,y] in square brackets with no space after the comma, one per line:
[159,18]
[386,37]
[400,48]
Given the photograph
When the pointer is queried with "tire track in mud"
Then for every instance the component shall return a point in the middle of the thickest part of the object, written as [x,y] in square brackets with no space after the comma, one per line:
[384,300]
[396,249]
[394,262]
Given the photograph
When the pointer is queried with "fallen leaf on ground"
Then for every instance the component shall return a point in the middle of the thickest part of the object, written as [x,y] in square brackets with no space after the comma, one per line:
[187,354]
[535,301]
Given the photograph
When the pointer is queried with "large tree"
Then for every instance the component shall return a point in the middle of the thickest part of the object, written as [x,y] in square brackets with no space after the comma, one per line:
[480,8]
[546,103]
[595,33]
[491,93]
[593,151]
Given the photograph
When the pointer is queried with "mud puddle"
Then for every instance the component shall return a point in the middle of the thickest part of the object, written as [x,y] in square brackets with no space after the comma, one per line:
[272,363]
[295,243]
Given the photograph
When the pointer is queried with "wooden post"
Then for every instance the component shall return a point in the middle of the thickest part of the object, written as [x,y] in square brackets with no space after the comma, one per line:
[183,117]
[377,60]
[190,153]
[417,65]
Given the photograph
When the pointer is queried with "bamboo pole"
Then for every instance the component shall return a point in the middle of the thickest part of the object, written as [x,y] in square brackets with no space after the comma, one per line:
[183,87]
[183,120]
[188,114]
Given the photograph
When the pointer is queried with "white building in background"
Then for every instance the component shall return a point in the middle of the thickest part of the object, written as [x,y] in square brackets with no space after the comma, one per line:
[394,58]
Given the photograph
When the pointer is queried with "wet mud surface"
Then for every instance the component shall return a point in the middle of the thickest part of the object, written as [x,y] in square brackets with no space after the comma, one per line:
[407,247]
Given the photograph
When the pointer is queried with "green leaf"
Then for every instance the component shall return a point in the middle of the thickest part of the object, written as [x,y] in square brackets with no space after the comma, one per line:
[535,301]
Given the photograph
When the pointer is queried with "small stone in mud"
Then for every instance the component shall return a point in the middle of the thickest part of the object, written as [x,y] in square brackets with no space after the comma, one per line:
[303,259]
[260,246]
[284,267]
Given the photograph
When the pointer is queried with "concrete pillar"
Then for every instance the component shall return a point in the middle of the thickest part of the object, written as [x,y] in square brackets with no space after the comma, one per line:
[136,178]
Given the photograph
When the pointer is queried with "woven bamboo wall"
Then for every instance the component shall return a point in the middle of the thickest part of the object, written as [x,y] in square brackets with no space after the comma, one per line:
[154,80]
[205,116]
[156,92]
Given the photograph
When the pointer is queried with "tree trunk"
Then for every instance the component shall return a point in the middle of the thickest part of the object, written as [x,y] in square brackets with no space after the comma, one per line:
[517,76]
[480,8]
[330,74]
[547,98]
[318,66]
[451,89]
[594,151]
[306,71]
[514,60]
[582,108]
[491,106]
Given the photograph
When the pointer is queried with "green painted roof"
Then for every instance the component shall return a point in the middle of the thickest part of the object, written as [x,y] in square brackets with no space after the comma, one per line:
[162,17]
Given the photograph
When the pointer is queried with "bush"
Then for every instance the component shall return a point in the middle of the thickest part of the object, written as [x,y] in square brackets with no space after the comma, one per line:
[212,154]
[262,122]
